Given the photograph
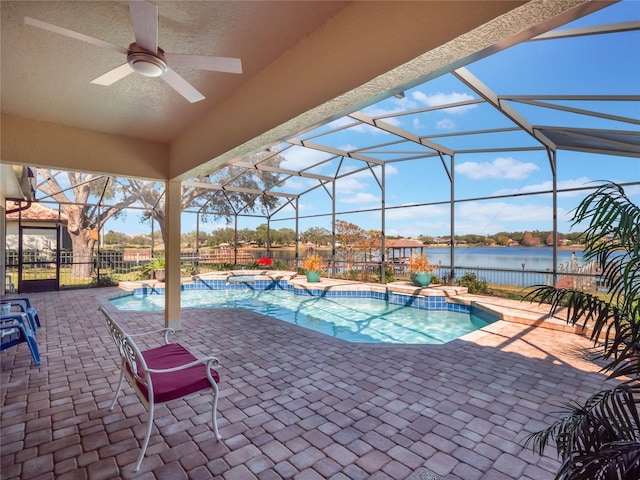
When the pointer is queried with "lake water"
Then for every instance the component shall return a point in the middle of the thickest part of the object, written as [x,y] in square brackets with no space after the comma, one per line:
[525,266]
[533,258]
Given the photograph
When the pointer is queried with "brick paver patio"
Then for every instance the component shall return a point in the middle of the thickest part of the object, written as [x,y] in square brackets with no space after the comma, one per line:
[294,403]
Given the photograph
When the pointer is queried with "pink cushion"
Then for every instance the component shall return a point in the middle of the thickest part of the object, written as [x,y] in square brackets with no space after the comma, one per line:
[169,386]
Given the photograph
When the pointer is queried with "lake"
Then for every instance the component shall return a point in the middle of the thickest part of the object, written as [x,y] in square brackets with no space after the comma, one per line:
[533,258]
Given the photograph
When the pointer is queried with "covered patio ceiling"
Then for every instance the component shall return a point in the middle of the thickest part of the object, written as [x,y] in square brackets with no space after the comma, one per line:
[304,63]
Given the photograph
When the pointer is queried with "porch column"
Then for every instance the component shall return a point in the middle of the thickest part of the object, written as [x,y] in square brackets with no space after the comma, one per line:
[173,211]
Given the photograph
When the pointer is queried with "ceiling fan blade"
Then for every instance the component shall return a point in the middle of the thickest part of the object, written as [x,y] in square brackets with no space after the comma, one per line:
[144,16]
[112,76]
[202,62]
[76,35]
[181,86]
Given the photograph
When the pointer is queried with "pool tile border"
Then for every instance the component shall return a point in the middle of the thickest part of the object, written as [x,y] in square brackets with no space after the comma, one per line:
[421,302]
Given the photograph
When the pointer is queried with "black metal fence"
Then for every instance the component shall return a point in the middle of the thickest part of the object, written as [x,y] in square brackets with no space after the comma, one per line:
[112,266]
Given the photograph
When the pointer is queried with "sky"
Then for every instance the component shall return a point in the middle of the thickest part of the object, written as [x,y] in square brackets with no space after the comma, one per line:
[605,65]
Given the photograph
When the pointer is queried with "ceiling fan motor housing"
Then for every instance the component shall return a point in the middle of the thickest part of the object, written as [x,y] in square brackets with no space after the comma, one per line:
[145,62]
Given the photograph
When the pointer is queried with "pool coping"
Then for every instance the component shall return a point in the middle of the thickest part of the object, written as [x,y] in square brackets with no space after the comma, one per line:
[512,311]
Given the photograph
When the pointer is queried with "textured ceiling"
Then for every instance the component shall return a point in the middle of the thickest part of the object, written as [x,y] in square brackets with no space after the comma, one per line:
[46,76]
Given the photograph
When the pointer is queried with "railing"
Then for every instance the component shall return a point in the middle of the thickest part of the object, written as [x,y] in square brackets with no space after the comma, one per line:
[570,275]
[127,266]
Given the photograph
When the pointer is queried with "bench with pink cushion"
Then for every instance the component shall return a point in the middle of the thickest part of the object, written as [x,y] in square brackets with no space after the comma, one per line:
[161,374]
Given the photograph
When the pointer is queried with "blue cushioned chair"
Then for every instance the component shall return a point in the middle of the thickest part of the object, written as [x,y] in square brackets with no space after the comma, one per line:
[24,304]
[15,328]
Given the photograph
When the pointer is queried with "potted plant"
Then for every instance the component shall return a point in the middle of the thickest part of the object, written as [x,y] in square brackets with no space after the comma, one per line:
[157,265]
[420,270]
[313,267]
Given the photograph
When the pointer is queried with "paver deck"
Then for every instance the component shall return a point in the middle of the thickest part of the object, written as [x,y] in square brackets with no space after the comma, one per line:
[294,403]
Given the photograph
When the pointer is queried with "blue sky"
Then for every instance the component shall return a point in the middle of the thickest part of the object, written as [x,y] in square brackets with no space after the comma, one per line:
[605,65]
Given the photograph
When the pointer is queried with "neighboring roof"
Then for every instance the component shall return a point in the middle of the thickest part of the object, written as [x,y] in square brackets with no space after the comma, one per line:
[35,213]
[405,243]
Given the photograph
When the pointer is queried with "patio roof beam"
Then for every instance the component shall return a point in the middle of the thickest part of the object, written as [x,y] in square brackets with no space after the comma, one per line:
[387,127]
[581,111]
[462,103]
[584,31]
[335,151]
[485,92]
[474,132]
[608,98]
[416,157]
[291,173]
[410,157]
[494,150]
[628,147]
[333,130]
[224,188]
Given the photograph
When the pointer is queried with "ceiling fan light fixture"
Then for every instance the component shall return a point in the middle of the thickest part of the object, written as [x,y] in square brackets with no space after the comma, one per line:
[146,63]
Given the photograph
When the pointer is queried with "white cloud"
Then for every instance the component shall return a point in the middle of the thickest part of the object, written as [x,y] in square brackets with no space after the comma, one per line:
[445,124]
[366,173]
[490,217]
[417,213]
[362,197]
[298,184]
[348,147]
[501,168]
[444,99]
[299,158]
[548,185]
[349,184]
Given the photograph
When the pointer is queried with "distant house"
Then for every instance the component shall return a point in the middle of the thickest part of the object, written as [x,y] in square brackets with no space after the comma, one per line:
[37,215]
[400,250]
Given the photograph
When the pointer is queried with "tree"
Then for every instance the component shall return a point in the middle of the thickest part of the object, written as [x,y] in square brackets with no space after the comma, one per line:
[142,240]
[502,239]
[115,238]
[221,235]
[600,439]
[351,238]
[528,240]
[189,239]
[286,236]
[316,235]
[85,215]
[214,203]
[549,240]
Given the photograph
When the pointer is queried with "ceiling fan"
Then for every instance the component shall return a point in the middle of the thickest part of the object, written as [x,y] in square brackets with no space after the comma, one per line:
[145,57]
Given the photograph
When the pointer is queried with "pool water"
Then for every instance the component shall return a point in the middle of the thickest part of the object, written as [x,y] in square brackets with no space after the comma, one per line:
[364,320]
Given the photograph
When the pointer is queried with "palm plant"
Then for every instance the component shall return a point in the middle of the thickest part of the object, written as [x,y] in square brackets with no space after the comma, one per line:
[600,439]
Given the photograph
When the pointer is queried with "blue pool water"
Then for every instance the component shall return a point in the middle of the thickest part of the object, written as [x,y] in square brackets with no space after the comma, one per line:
[367,320]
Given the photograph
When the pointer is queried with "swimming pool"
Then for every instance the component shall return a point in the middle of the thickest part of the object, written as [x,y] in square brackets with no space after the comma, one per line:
[364,317]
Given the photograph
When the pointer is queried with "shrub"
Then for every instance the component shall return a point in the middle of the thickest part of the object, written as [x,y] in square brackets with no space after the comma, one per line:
[474,284]
[104,280]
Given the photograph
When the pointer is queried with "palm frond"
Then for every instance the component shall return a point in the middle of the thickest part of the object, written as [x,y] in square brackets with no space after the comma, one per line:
[614,461]
[600,440]
[607,416]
